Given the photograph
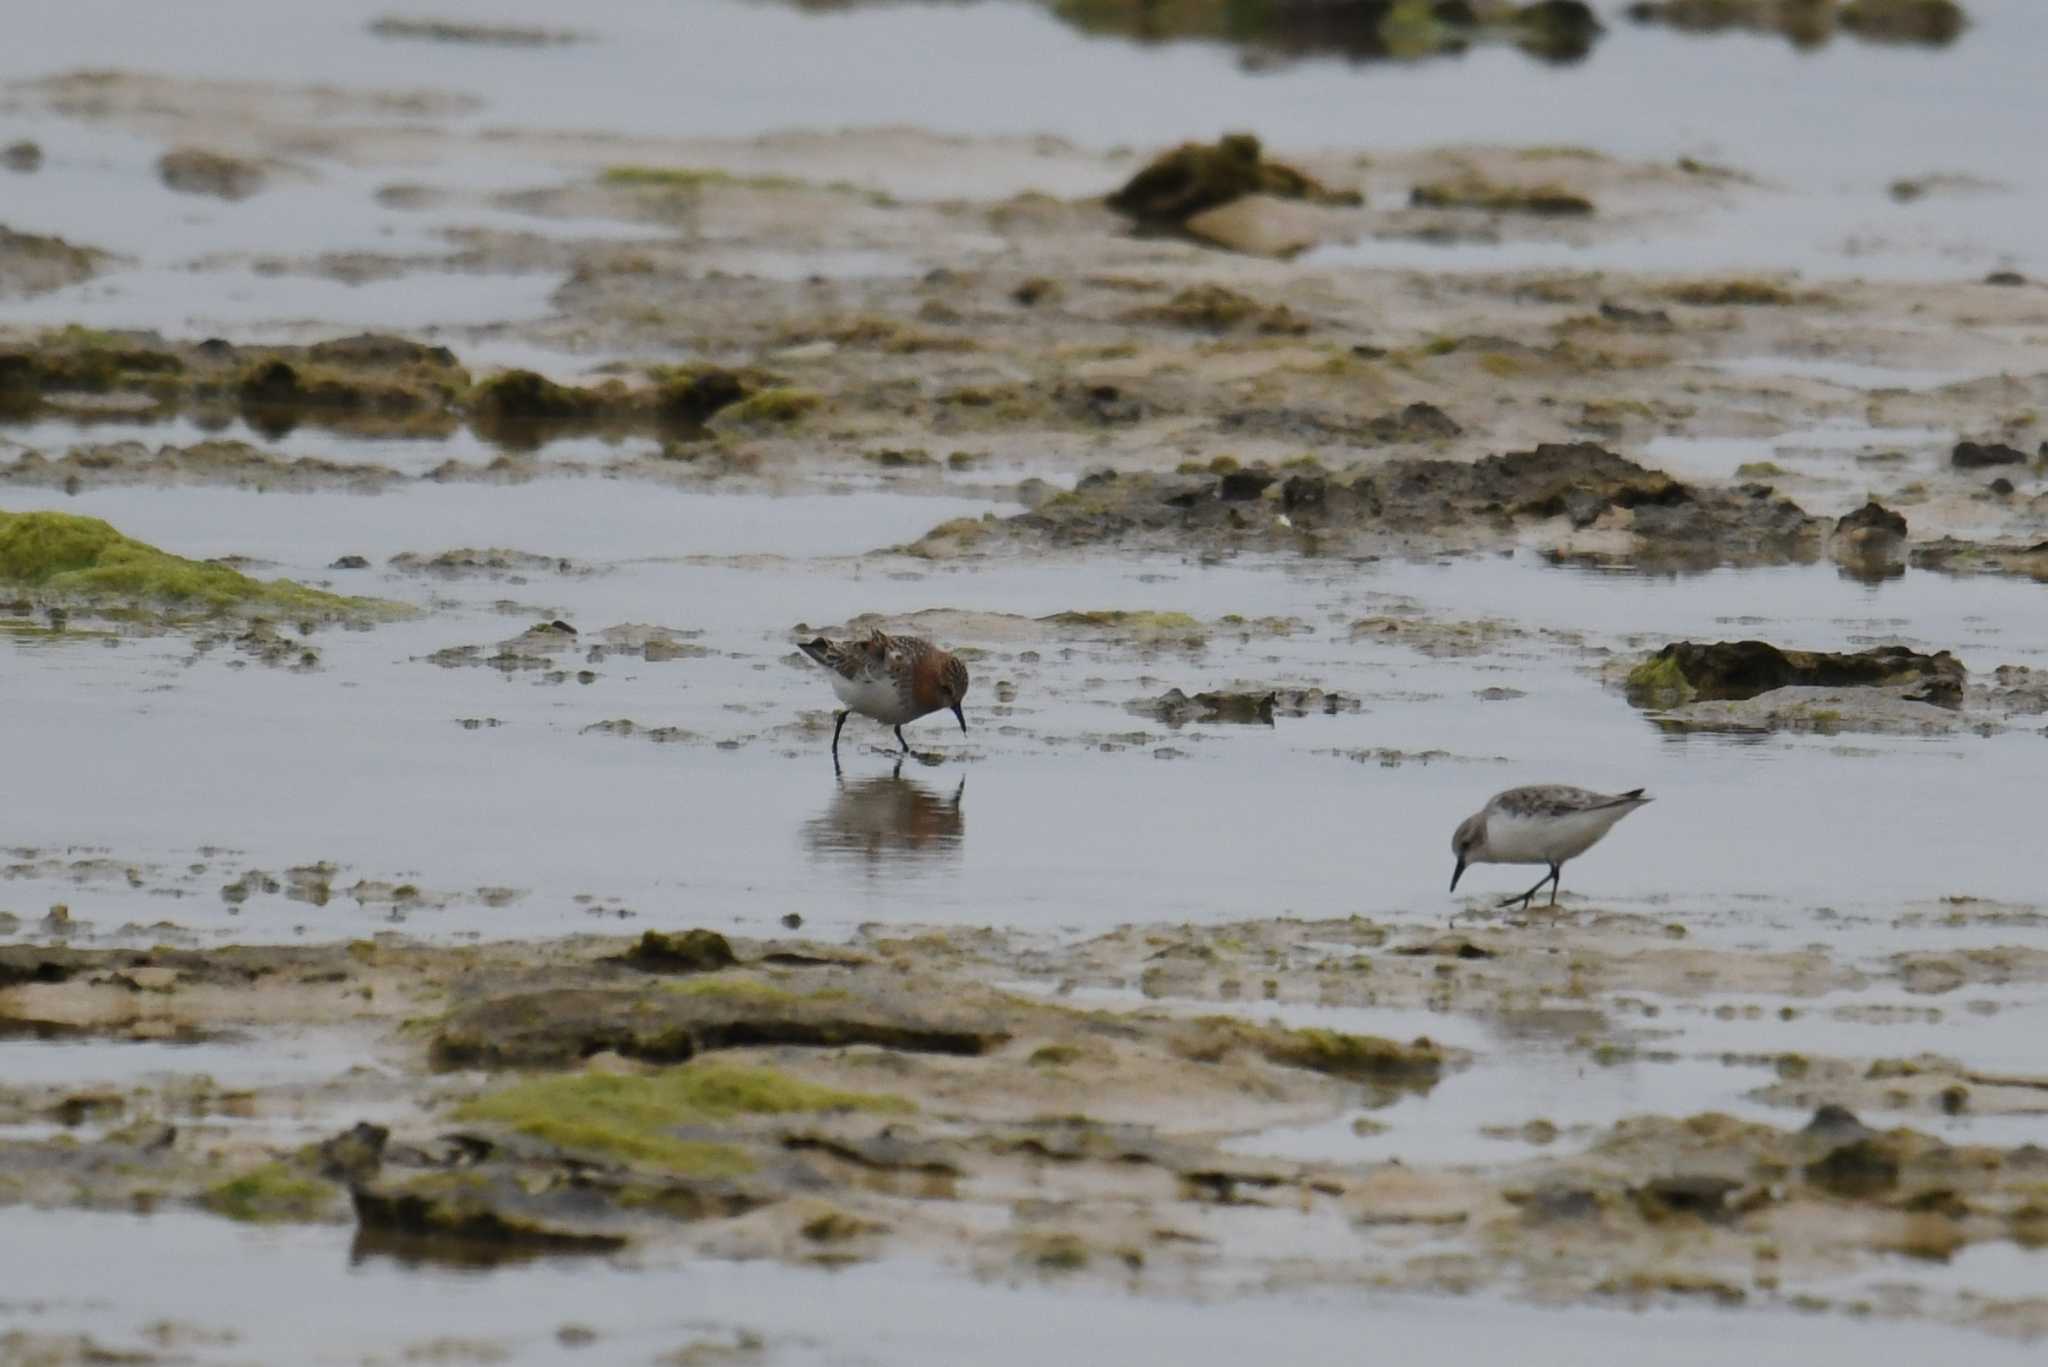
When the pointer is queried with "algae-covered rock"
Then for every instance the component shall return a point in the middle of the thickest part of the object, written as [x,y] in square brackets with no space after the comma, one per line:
[1811,23]
[524,395]
[1356,30]
[24,156]
[1476,192]
[31,263]
[1255,706]
[272,1194]
[63,556]
[1218,308]
[1199,176]
[200,171]
[1687,671]
[489,1209]
[634,1118]
[1361,1058]
[670,1023]
[689,951]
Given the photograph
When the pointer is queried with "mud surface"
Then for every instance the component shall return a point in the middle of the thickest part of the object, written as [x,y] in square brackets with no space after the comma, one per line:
[430,900]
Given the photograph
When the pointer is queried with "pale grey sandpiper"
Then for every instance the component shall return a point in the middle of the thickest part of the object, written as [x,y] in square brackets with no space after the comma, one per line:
[893,679]
[1547,823]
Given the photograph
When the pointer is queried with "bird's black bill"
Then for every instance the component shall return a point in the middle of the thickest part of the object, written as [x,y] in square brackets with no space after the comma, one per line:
[962,716]
[1456,874]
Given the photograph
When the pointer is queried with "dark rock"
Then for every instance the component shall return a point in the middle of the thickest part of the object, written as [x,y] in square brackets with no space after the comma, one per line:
[1857,1170]
[1650,320]
[692,402]
[380,349]
[1304,491]
[1195,176]
[2005,278]
[350,562]
[1240,486]
[1704,1196]
[1837,1123]
[2001,486]
[1971,455]
[353,1156]
[196,171]
[661,1025]
[1872,517]
[1557,1201]
[1734,670]
[690,951]
[497,1209]
[23,156]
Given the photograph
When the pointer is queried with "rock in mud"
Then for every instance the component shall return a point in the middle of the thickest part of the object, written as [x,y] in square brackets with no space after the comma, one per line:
[1974,455]
[667,1026]
[1176,708]
[487,35]
[1355,30]
[490,1209]
[1196,177]
[1870,541]
[1810,23]
[1217,308]
[23,156]
[199,171]
[1475,192]
[1407,501]
[1260,225]
[1688,671]
[34,264]
[1953,555]
[688,951]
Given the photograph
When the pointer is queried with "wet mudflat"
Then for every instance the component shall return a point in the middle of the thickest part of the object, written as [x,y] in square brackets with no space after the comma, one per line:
[429,900]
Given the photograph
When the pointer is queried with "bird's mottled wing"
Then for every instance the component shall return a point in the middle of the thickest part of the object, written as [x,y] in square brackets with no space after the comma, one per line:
[1550,800]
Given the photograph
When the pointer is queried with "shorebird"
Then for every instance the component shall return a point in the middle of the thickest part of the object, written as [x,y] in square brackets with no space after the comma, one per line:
[1545,824]
[894,679]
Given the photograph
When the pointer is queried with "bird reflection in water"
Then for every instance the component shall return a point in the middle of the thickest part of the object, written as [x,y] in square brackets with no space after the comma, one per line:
[888,818]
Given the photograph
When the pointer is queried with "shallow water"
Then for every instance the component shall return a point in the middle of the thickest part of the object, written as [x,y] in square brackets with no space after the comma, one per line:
[306,1295]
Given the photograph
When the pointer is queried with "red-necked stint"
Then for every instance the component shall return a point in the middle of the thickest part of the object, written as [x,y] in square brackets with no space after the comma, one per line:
[1545,824]
[894,679]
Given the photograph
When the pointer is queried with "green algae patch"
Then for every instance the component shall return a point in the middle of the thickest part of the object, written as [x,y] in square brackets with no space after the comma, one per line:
[1360,1058]
[691,178]
[737,990]
[1737,293]
[632,1118]
[1475,192]
[778,406]
[82,557]
[689,951]
[272,1194]
[1659,681]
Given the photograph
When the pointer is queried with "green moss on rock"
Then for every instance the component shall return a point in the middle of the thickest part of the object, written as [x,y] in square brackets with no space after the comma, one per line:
[632,1118]
[82,557]
[689,951]
[273,1193]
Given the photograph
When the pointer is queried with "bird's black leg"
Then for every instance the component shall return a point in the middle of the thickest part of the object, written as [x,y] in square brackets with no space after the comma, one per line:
[1556,872]
[1527,897]
[902,742]
[837,727]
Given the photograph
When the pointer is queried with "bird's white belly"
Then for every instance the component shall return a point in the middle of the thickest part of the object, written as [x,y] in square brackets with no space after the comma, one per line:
[1546,840]
[876,697]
